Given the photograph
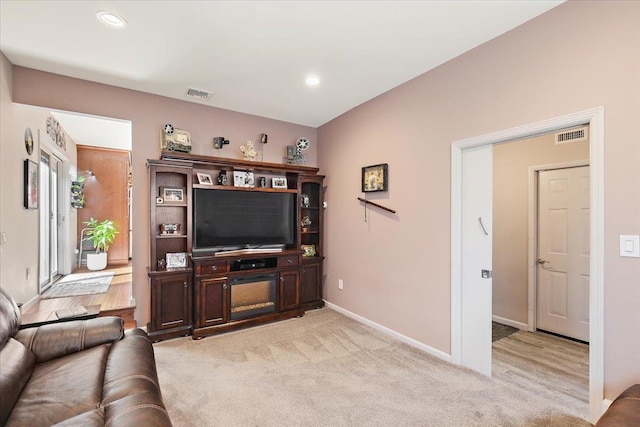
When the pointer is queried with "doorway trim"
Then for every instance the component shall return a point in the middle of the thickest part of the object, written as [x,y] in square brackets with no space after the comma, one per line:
[595,119]
[532,234]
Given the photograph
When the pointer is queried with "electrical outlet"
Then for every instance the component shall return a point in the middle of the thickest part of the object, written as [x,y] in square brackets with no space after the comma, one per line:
[340,284]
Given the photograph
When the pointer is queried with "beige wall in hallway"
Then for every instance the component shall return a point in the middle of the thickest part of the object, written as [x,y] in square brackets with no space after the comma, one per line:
[511,162]
[396,268]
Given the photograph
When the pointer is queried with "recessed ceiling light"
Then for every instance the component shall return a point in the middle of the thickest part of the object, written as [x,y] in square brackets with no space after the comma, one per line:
[312,80]
[111,19]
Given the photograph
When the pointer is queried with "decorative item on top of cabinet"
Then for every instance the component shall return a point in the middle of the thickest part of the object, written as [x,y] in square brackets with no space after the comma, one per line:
[295,153]
[219,142]
[174,139]
[248,152]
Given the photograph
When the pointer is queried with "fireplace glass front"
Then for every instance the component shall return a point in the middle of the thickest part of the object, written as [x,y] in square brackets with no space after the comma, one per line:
[253,295]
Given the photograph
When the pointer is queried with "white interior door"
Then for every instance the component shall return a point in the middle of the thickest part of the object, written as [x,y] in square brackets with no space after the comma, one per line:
[477,205]
[563,252]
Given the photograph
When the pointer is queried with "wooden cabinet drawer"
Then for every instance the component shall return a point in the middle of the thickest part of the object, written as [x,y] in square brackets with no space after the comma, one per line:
[286,261]
[211,267]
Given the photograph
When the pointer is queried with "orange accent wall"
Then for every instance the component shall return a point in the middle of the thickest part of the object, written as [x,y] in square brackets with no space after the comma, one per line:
[106,195]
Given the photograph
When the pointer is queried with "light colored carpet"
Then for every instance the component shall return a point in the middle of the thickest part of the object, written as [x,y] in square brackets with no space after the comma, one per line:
[80,284]
[328,370]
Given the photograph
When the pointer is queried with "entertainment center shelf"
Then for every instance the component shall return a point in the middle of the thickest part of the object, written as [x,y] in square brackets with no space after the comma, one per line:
[252,189]
[213,290]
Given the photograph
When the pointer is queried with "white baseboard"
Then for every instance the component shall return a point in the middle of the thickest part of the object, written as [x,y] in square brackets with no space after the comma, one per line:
[605,404]
[509,322]
[27,305]
[405,339]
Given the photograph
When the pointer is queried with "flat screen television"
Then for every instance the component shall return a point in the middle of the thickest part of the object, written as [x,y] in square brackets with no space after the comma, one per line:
[230,219]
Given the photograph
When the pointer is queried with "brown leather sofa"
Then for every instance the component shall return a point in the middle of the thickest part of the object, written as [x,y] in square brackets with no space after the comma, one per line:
[624,411]
[78,373]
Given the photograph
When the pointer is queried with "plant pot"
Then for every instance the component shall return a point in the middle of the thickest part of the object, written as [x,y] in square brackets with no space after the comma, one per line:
[97,261]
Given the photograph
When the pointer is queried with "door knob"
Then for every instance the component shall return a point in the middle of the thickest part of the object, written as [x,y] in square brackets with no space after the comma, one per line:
[542,261]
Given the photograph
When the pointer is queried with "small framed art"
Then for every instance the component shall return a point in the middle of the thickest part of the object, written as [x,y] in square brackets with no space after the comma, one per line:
[375,178]
[204,179]
[30,184]
[309,250]
[172,195]
[279,182]
[176,260]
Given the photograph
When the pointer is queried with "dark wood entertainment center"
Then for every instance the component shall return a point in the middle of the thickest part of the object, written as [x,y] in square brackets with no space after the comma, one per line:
[197,299]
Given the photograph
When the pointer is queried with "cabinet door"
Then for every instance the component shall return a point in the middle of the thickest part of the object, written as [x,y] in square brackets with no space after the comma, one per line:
[311,214]
[171,301]
[310,283]
[212,302]
[289,290]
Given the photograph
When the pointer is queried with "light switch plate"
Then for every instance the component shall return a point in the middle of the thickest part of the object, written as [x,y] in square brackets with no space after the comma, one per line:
[630,246]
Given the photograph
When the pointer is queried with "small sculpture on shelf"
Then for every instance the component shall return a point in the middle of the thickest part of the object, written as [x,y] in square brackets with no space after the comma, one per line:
[248,152]
[305,223]
[304,200]
[222,177]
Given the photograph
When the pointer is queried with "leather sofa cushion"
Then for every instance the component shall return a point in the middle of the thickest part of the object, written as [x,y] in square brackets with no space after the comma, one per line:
[61,389]
[94,418]
[131,368]
[48,342]
[16,364]
[141,409]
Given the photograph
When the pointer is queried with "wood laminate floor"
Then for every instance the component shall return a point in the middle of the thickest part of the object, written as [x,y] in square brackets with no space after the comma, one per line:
[115,302]
[550,367]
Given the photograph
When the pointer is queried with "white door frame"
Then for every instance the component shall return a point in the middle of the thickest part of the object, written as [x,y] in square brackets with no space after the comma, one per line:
[532,234]
[595,119]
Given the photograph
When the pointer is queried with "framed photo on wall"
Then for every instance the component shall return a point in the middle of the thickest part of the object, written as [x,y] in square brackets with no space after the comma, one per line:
[375,178]
[30,184]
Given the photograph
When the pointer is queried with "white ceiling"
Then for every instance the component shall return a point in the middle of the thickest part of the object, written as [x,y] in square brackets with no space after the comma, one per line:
[96,131]
[254,55]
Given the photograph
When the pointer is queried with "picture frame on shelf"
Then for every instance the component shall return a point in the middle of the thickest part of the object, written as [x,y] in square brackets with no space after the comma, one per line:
[243,179]
[172,195]
[279,182]
[204,179]
[176,260]
[30,184]
[309,250]
[375,178]
[173,228]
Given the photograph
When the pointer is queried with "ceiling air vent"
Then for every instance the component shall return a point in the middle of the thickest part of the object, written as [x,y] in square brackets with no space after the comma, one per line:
[572,135]
[202,95]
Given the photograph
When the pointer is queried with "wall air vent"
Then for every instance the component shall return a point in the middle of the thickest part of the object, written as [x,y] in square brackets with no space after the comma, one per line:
[202,95]
[572,135]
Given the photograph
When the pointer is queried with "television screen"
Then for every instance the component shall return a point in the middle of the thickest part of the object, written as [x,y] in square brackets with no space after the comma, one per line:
[230,219]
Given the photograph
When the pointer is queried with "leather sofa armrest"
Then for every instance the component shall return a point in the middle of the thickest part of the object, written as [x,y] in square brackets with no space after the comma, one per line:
[55,340]
[624,411]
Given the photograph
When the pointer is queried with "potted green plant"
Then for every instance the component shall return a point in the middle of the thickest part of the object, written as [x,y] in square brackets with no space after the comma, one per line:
[102,234]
